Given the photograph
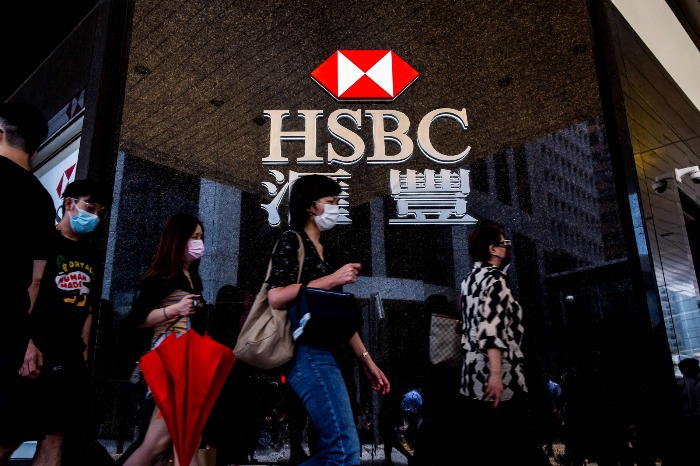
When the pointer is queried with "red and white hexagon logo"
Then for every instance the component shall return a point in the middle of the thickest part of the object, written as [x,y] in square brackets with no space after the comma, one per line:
[364,75]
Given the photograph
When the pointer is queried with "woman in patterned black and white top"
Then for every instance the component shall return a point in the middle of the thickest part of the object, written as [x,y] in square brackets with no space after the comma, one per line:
[492,322]
[493,381]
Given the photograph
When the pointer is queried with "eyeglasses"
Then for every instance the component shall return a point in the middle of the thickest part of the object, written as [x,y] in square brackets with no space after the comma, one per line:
[94,209]
[503,244]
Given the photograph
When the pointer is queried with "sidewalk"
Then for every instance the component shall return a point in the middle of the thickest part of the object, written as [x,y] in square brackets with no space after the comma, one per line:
[372,455]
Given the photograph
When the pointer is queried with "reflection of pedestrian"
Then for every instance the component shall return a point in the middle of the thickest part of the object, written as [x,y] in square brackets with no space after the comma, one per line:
[298,422]
[436,439]
[577,428]
[221,320]
[690,388]
[412,408]
[390,418]
[690,395]
[551,428]
[235,421]
[493,380]
[22,129]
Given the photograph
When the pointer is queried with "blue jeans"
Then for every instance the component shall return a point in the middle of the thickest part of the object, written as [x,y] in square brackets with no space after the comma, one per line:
[314,374]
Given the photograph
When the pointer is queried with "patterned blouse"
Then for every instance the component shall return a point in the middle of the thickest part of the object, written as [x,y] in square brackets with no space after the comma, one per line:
[492,318]
[285,263]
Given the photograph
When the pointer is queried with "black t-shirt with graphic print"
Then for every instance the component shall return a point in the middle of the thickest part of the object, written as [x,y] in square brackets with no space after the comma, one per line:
[66,294]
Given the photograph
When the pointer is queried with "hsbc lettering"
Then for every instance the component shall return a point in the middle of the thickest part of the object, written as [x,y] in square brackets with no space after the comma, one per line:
[355,142]
[430,196]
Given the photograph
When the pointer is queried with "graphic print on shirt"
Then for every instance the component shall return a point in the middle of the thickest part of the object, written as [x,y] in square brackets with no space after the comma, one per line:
[74,278]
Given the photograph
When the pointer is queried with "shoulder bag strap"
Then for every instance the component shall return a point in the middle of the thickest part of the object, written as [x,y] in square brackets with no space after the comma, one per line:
[300,257]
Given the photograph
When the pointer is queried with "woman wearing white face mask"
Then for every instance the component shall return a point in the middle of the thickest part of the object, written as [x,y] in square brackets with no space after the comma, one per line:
[314,373]
[168,296]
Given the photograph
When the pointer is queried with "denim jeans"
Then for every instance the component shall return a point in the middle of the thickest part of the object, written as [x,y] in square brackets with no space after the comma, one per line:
[314,374]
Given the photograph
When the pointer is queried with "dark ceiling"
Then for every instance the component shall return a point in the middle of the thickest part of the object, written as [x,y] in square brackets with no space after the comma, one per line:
[40,26]
[201,73]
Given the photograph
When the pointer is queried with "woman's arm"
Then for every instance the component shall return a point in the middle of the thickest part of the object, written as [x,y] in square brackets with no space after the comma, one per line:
[147,311]
[494,386]
[377,379]
[281,297]
[493,337]
[159,315]
[285,270]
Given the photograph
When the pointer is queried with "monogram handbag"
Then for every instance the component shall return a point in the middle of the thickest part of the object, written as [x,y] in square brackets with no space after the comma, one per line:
[325,318]
[445,340]
[265,340]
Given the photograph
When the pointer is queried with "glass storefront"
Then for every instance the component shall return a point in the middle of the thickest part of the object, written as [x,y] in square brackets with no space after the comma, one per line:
[433,116]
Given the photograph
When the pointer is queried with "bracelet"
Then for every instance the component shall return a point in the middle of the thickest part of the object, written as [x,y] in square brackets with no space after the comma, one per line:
[165,314]
[363,355]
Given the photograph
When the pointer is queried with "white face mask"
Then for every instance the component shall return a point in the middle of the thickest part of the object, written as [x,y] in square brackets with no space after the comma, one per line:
[328,218]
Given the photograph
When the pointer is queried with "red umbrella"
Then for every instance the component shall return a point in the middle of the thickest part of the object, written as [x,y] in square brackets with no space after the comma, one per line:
[186,375]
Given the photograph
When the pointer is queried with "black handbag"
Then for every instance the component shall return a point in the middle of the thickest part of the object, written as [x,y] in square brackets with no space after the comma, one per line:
[325,318]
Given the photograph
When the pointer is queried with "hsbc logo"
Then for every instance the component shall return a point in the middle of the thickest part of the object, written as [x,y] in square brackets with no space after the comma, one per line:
[431,196]
[362,75]
[354,75]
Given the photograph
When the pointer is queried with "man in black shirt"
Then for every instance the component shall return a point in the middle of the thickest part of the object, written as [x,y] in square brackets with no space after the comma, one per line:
[23,238]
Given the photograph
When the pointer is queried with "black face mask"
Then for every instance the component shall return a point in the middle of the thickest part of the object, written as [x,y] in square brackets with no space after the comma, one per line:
[505,262]
[506,259]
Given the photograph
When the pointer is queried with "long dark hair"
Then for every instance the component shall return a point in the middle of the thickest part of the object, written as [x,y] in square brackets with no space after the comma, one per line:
[170,255]
[305,191]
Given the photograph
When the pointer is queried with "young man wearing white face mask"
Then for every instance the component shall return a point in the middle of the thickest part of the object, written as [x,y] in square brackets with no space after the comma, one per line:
[61,318]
